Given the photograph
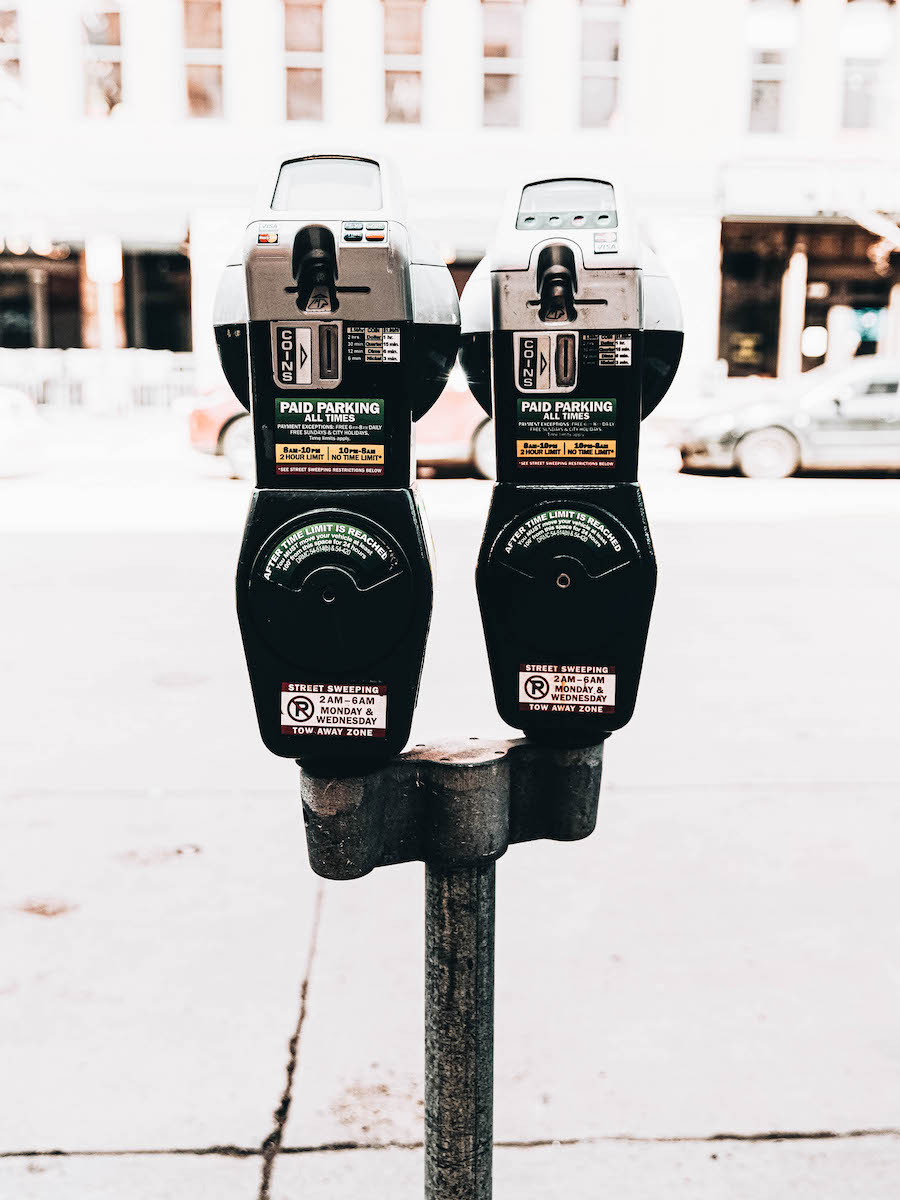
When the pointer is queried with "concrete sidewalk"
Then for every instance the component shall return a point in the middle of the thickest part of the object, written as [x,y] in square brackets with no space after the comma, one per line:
[153,989]
[719,958]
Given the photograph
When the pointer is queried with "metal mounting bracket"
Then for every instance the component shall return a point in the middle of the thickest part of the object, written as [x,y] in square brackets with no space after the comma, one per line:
[456,803]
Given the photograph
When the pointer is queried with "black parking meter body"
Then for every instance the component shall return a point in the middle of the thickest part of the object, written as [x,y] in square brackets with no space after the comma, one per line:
[340,329]
[571,333]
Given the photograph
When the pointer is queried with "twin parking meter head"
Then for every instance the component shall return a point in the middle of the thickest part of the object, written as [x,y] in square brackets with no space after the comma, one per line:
[571,334]
[338,327]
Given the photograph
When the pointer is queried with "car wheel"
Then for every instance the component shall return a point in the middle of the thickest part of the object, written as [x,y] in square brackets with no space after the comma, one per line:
[484,454]
[767,454]
[237,447]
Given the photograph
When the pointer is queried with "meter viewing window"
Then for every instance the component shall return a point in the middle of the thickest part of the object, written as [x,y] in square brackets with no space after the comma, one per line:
[567,204]
[352,184]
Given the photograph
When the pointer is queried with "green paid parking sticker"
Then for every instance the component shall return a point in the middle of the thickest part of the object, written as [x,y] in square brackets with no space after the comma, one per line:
[329,420]
[564,432]
[565,417]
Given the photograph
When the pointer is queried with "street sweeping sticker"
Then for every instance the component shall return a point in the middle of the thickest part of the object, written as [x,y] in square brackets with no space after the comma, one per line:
[315,436]
[564,432]
[561,688]
[334,709]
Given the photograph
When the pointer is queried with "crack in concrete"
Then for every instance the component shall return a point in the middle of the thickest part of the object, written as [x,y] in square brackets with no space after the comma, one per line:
[778,1135]
[274,1140]
[174,1151]
[271,1145]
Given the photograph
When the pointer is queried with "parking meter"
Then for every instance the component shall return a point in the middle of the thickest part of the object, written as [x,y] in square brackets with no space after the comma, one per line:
[571,334]
[338,327]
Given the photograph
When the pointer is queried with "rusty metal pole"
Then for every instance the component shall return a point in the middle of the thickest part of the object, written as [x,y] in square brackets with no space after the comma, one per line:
[459,1031]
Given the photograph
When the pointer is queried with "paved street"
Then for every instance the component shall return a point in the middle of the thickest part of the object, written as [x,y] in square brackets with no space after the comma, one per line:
[720,958]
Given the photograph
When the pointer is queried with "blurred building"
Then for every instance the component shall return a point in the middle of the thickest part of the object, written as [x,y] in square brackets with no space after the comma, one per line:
[760,136]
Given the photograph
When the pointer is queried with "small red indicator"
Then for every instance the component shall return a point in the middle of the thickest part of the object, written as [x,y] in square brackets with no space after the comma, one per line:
[267,239]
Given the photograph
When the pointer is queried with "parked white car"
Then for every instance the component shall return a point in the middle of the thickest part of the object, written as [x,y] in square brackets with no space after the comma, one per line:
[828,419]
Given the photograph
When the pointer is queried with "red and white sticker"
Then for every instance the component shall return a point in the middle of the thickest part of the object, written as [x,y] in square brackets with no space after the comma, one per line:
[334,709]
[561,688]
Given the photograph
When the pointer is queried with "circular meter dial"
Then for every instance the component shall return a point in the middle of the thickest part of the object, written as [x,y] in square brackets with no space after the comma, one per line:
[565,573]
[332,592]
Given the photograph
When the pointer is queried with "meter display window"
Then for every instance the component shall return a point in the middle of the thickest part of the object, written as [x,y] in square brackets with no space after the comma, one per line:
[567,204]
[317,183]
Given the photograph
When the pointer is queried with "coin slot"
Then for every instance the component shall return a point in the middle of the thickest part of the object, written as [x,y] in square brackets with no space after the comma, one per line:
[328,352]
[565,360]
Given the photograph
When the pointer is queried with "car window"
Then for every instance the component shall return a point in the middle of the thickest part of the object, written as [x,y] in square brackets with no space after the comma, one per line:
[872,400]
[842,393]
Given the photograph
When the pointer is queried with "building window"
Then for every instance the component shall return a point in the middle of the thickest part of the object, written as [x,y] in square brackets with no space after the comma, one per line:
[203,58]
[304,63]
[772,35]
[157,300]
[862,85]
[767,91]
[403,21]
[39,299]
[844,281]
[16,302]
[601,57]
[503,48]
[754,257]
[203,24]
[102,34]
[867,53]
[303,93]
[10,61]
[204,90]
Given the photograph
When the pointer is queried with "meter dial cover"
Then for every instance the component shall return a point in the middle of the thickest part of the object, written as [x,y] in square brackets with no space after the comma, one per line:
[566,573]
[331,592]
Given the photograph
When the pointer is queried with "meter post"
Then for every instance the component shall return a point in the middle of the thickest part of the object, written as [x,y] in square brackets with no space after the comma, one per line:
[571,335]
[337,327]
[459,1031]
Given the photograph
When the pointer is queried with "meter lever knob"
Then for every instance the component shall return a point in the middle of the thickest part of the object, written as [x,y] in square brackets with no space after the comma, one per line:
[314,267]
[556,276]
